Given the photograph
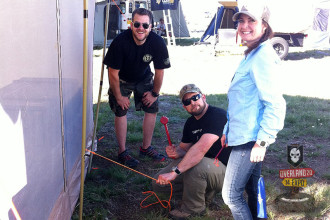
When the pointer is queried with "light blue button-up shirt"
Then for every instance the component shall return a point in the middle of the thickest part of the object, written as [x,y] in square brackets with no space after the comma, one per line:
[256,108]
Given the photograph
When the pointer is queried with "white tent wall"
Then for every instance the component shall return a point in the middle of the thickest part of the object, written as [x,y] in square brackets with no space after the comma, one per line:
[294,16]
[319,37]
[38,47]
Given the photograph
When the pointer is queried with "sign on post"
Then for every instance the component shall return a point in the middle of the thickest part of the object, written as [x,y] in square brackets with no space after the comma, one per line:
[294,182]
[295,155]
[296,173]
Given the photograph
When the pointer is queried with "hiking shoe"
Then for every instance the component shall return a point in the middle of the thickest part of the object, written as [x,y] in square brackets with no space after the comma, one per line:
[152,153]
[178,214]
[126,159]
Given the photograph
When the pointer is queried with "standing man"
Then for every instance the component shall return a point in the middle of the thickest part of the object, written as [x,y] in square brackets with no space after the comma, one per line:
[128,60]
[195,176]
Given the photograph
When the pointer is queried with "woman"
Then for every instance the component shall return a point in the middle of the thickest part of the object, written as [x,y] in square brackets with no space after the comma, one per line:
[256,111]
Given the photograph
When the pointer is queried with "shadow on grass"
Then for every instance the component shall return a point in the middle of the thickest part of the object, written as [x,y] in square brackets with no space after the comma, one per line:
[316,54]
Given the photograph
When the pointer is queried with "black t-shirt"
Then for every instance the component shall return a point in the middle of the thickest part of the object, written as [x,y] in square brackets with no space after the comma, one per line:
[212,122]
[132,60]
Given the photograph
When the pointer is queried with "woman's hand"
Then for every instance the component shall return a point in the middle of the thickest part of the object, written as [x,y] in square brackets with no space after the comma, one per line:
[257,153]
[223,141]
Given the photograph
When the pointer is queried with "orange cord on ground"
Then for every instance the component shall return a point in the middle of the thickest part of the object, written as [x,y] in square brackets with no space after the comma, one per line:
[167,205]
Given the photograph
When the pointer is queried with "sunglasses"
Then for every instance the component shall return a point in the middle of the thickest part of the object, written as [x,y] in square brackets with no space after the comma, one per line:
[138,24]
[187,102]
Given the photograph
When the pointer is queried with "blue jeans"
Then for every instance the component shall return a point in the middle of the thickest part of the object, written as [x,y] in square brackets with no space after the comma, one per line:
[241,174]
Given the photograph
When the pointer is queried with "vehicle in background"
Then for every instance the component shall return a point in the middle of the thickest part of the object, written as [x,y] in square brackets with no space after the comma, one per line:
[290,21]
[282,41]
[126,9]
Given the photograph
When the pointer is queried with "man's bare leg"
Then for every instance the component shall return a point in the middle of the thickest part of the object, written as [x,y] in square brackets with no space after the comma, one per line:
[121,132]
[148,127]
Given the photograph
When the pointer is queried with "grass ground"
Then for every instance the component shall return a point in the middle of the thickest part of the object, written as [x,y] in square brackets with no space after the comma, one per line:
[113,192]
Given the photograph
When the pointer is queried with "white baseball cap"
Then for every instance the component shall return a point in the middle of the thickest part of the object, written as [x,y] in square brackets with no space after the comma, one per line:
[254,10]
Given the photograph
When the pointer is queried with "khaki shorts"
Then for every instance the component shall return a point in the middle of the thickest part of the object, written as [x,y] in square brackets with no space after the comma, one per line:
[126,89]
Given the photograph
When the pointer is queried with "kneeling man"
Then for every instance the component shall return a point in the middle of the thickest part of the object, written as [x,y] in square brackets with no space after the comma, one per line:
[194,175]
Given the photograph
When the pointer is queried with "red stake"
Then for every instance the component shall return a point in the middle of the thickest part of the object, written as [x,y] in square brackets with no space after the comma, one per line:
[164,121]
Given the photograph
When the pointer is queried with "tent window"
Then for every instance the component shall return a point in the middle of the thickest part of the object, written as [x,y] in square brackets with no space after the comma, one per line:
[227,21]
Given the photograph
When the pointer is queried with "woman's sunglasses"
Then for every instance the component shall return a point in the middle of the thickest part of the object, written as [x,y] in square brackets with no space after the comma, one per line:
[137,25]
[187,102]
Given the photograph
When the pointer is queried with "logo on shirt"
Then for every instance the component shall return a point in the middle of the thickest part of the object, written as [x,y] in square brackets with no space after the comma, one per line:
[196,131]
[167,61]
[147,58]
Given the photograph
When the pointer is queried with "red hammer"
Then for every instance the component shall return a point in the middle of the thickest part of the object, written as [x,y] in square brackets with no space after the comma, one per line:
[164,121]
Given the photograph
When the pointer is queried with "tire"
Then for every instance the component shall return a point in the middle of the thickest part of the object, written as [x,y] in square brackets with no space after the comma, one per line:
[281,46]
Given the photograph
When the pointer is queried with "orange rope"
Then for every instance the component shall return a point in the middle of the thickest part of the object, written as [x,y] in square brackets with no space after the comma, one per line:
[216,160]
[119,9]
[168,205]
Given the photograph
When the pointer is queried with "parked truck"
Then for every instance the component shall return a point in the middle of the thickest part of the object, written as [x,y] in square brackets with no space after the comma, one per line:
[126,9]
[290,21]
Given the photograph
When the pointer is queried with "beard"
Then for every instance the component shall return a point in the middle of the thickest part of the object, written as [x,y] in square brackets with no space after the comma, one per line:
[140,38]
[199,111]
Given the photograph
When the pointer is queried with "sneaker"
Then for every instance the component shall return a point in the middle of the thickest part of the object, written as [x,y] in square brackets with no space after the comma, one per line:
[178,214]
[152,153]
[126,159]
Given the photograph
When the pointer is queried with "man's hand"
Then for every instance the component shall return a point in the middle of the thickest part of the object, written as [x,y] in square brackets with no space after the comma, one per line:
[123,102]
[148,99]
[257,153]
[172,152]
[223,141]
[165,178]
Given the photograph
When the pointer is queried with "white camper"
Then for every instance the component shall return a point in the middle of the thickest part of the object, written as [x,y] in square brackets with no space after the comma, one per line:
[126,9]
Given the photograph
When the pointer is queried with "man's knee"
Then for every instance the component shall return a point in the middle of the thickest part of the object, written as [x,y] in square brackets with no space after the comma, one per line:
[115,108]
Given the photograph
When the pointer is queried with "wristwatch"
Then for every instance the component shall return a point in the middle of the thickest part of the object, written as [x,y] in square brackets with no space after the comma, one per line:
[154,94]
[176,170]
[262,143]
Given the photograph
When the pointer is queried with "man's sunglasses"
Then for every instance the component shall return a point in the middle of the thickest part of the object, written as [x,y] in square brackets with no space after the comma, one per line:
[144,25]
[187,102]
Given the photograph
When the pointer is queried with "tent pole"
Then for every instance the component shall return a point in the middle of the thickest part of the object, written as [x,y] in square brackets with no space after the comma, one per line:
[61,94]
[101,83]
[179,21]
[215,26]
[84,111]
